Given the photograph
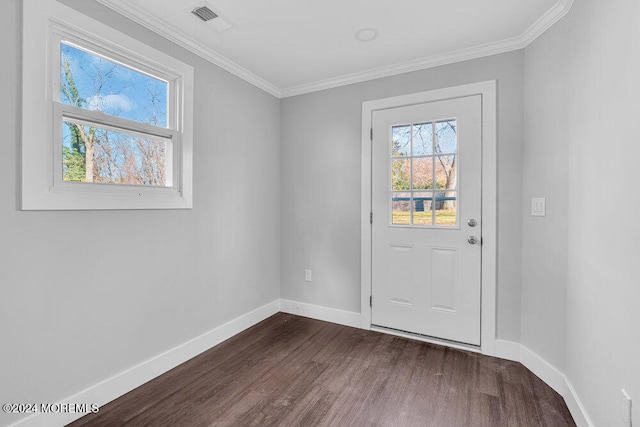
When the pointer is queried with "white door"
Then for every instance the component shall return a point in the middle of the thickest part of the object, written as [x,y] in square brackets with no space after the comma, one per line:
[426,231]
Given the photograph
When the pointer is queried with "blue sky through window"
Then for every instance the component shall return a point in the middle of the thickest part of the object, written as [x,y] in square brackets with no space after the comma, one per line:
[113,88]
[93,153]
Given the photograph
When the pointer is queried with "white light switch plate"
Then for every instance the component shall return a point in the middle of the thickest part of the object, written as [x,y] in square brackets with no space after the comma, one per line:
[538,206]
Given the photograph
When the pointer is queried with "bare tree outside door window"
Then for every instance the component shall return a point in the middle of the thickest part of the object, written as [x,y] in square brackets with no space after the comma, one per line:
[424,173]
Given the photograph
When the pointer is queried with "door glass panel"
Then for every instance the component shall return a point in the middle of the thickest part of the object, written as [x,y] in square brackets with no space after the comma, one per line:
[400,173]
[424,157]
[422,210]
[445,172]
[401,208]
[446,137]
[422,139]
[422,173]
[446,207]
[401,141]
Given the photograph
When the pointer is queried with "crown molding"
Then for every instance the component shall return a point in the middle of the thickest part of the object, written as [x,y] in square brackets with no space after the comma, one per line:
[407,67]
[165,29]
[546,21]
[140,16]
[553,15]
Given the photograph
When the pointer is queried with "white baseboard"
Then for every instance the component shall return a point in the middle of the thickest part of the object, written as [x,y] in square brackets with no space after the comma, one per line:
[333,315]
[547,373]
[578,411]
[507,350]
[114,387]
[543,369]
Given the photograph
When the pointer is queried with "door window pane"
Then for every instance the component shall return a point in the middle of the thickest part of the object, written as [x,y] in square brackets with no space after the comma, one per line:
[422,138]
[446,207]
[422,173]
[424,157]
[446,137]
[401,208]
[400,173]
[400,141]
[422,210]
[445,172]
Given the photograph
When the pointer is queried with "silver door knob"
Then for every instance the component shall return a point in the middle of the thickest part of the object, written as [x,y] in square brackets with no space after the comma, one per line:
[472,222]
[472,239]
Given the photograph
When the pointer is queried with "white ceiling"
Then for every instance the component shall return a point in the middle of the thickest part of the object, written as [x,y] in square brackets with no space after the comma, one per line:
[288,47]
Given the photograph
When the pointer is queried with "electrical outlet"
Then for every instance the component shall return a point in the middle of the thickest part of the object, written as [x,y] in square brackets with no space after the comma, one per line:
[538,206]
[307,275]
[626,408]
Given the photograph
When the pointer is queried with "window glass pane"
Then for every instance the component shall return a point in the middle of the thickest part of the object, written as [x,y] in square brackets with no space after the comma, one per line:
[90,81]
[422,173]
[91,154]
[446,138]
[400,173]
[422,139]
[446,207]
[400,141]
[401,208]
[422,213]
[446,172]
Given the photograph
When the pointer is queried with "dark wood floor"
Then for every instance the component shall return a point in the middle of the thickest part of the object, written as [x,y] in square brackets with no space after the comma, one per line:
[294,371]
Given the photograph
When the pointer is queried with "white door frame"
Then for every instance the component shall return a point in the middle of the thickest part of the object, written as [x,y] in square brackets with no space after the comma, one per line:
[487,90]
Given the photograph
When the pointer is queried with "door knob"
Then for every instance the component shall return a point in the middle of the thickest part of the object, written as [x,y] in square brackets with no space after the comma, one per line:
[472,222]
[472,239]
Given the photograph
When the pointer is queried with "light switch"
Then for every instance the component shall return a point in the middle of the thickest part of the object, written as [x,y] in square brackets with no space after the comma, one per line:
[538,206]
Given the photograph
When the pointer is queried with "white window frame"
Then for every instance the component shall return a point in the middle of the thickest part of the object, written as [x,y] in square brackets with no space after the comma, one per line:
[46,24]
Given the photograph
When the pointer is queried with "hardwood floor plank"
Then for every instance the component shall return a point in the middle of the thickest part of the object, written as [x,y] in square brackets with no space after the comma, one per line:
[237,377]
[295,371]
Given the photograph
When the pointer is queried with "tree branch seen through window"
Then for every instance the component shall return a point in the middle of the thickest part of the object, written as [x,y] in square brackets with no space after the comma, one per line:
[98,154]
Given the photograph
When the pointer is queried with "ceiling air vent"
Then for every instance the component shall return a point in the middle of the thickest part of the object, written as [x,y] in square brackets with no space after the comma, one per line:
[204,13]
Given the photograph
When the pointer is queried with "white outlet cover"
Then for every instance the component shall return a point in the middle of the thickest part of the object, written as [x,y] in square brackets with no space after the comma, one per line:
[538,206]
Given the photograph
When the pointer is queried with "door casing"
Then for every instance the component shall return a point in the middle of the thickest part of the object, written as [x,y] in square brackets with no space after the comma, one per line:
[487,90]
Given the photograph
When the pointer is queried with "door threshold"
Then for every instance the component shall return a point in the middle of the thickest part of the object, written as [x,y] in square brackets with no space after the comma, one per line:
[427,338]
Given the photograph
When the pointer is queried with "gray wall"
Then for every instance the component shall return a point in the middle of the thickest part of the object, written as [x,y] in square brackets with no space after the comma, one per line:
[86,295]
[320,161]
[544,249]
[147,281]
[581,150]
